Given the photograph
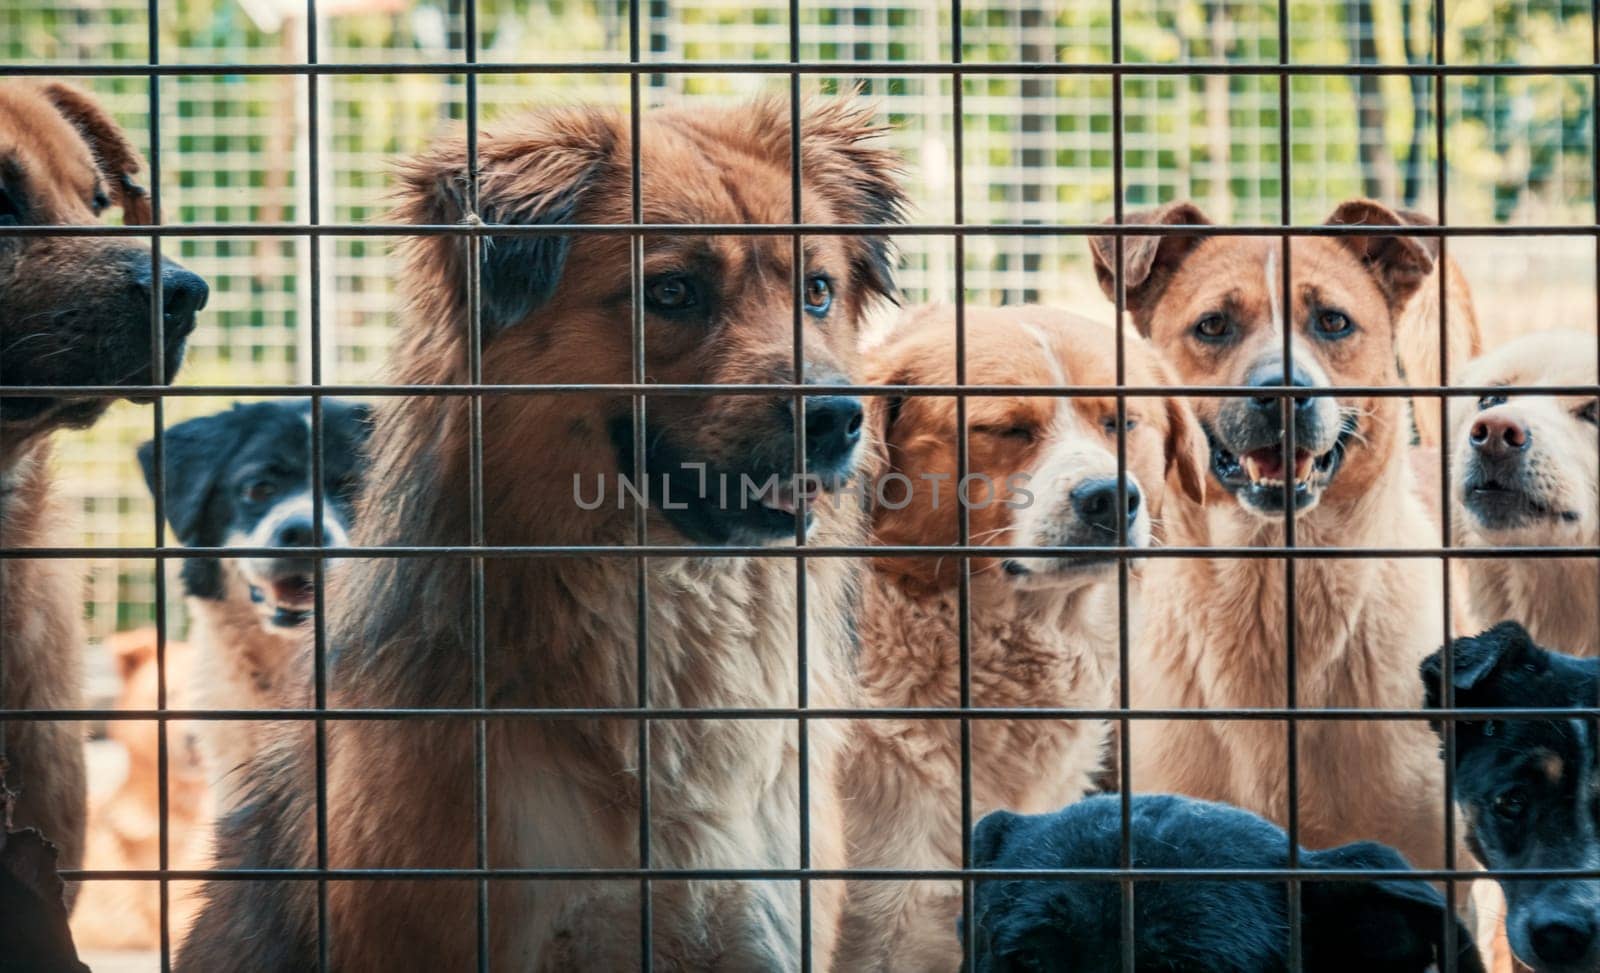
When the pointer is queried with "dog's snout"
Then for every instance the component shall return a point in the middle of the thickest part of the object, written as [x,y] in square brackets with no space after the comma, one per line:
[1272,374]
[1095,502]
[295,532]
[183,293]
[1563,939]
[833,427]
[1498,433]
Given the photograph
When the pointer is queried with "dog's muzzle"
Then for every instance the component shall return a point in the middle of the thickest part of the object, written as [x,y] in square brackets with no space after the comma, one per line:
[1250,453]
[1495,486]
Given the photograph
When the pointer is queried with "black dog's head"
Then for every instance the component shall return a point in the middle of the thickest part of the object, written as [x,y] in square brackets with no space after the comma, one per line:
[76,310]
[242,478]
[1381,925]
[1530,789]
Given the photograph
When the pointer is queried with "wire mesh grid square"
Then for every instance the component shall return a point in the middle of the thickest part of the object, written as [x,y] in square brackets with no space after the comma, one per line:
[1026,125]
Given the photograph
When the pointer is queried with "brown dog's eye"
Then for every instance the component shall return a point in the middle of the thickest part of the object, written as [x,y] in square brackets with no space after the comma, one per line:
[672,294]
[1213,327]
[819,295]
[1110,423]
[1019,432]
[1333,324]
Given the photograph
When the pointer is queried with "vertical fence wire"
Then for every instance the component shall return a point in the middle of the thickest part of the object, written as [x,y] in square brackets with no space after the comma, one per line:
[158,419]
[319,641]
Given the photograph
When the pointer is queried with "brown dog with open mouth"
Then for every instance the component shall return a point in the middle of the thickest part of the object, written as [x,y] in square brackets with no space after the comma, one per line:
[562,632]
[1042,630]
[1214,628]
[74,311]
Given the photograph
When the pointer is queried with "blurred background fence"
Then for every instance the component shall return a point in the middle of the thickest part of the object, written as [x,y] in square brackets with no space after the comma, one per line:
[1037,148]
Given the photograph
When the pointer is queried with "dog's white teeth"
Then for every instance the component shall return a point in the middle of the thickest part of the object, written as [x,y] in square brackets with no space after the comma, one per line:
[1252,468]
[1302,464]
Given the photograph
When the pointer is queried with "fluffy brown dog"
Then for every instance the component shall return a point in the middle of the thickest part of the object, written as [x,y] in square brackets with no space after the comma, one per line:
[1214,636]
[1043,631]
[561,632]
[124,827]
[1523,474]
[73,311]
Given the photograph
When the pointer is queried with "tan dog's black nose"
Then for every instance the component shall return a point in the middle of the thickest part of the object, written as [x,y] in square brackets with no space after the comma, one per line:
[833,427]
[1498,433]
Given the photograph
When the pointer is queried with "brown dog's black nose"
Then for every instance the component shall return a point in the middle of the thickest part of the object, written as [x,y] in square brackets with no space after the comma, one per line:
[833,427]
[1272,374]
[183,294]
[1095,502]
[1498,433]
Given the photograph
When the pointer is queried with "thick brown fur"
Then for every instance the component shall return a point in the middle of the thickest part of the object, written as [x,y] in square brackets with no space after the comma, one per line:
[1214,629]
[1047,637]
[561,632]
[124,826]
[67,317]
[1554,598]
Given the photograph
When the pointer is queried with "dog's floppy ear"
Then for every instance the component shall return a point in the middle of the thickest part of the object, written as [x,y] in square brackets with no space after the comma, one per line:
[1398,263]
[988,835]
[840,154]
[192,452]
[537,177]
[1387,923]
[1475,658]
[1147,261]
[118,160]
[1186,448]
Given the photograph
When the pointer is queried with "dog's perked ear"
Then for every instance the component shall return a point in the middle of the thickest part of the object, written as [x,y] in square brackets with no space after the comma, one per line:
[118,160]
[190,458]
[988,835]
[1148,262]
[1474,658]
[839,155]
[1398,263]
[537,178]
[1379,924]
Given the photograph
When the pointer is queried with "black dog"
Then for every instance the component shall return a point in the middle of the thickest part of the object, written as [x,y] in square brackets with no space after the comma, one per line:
[1221,926]
[1530,789]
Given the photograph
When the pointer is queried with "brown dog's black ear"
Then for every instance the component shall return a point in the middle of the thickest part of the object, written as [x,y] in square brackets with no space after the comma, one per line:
[118,160]
[537,177]
[1147,261]
[1398,263]
[841,155]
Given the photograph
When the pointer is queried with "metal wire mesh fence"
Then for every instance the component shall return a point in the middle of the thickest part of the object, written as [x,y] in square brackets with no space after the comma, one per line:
[1022,124]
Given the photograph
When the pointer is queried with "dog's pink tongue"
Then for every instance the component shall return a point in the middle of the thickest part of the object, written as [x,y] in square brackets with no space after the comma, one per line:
[1265,463]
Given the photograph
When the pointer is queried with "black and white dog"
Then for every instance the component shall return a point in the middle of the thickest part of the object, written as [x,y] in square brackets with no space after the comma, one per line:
[242,478]
[1530,788]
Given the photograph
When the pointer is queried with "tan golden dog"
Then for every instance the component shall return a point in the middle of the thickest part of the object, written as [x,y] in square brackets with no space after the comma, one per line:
[124,826]
[562,631]
[1043,631]
[1214,635]
[73,311]
[1523,474]
[1417,334]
